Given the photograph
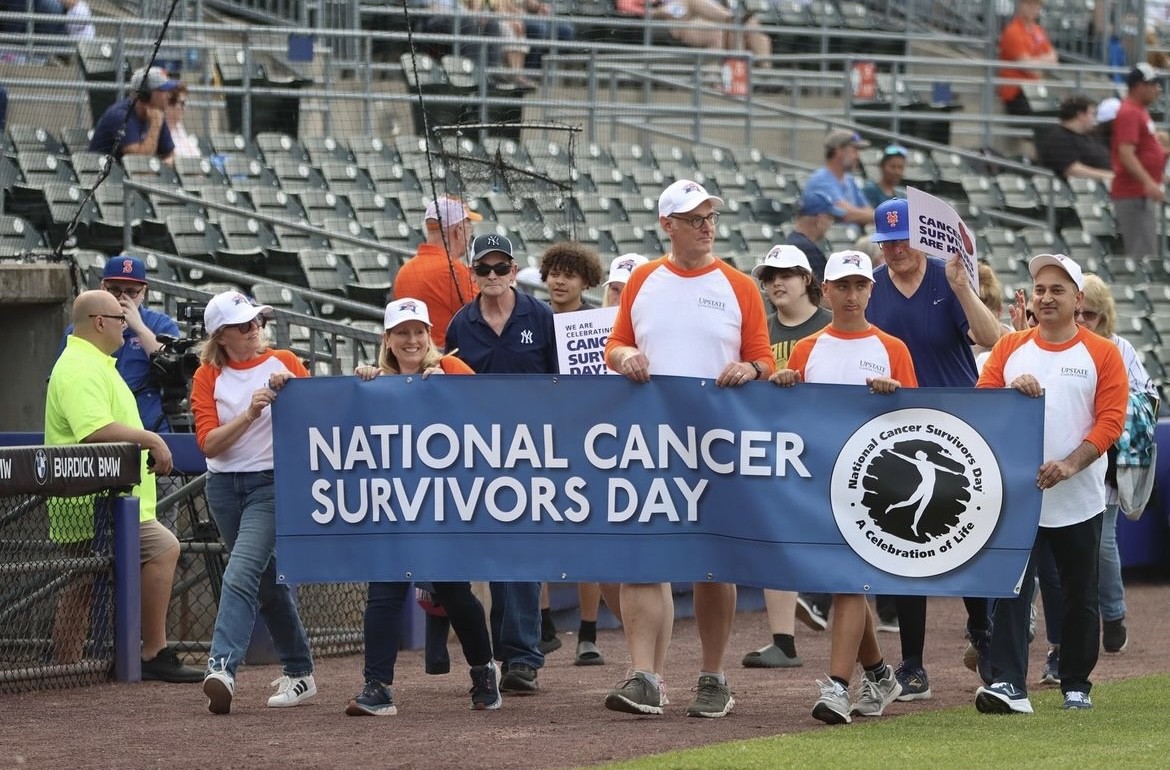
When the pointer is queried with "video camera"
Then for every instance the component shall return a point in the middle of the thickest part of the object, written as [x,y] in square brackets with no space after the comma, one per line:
[173,365]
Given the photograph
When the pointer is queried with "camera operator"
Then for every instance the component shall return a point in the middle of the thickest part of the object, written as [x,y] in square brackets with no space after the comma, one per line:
[125,277]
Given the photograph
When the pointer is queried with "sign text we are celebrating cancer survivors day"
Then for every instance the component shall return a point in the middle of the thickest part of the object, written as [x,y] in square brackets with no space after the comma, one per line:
[581,478]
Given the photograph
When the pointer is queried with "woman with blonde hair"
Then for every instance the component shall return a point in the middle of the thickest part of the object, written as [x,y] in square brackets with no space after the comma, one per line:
[407,349]
[238,380]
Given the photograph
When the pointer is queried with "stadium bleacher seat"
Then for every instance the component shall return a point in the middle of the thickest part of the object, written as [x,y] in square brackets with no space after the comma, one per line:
[18,236]
[277,145]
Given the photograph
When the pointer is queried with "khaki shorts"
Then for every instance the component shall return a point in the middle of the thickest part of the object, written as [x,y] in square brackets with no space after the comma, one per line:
[155,540]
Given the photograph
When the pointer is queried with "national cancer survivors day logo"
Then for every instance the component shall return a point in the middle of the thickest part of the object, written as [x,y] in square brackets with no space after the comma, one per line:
[916,492]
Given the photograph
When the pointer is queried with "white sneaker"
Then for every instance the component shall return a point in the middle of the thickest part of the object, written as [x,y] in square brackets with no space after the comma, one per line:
[292,691]
[220,688]
[832,707]
[876,694]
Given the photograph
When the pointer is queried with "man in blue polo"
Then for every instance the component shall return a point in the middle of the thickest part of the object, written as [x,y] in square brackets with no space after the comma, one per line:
[835,179]
[812,223]
[503,331]
[146,127]
[125,278]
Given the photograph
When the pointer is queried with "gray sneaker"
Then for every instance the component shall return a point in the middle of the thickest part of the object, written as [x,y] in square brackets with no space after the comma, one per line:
[832,707]
[636,695]
[876,694]
[712,699]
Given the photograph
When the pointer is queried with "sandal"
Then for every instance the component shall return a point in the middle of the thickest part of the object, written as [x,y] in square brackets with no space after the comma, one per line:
[588,655]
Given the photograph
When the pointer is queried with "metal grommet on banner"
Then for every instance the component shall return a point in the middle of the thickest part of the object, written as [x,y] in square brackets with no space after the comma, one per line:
[866,588]
[564,575]
[409,575]
[409,379]
[555,380]
[710,576]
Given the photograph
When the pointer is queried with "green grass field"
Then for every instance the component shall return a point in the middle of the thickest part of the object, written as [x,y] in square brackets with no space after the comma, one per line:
[1128,728]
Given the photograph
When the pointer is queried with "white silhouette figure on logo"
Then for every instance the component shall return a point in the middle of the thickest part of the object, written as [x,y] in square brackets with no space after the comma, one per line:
[923,494]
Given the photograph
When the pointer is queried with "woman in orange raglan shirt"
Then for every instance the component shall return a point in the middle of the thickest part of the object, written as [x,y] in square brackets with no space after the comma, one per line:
[407,348]
[230,397]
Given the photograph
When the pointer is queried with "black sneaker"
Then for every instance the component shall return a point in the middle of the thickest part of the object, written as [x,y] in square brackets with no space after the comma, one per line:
[485,690]
[166,667]
[375,700]
[811,613]
[551,644]
[1114,636]
[520,679]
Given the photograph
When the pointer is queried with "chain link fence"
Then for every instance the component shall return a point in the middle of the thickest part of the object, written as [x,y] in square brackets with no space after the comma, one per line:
[57,598]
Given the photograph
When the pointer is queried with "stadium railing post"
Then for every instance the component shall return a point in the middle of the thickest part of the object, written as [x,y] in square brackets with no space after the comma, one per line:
[127,592]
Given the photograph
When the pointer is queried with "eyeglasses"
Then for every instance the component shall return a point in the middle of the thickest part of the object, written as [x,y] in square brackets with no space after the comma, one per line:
[499,268]
[697,221]
[892,245]
[1088,315]
[121,318]
[246,327]
[125,291]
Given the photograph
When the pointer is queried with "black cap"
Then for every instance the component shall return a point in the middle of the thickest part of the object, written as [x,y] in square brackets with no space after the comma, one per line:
[488,244]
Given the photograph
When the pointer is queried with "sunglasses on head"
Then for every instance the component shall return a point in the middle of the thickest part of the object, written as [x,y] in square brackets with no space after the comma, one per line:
[499,268]
[895,149]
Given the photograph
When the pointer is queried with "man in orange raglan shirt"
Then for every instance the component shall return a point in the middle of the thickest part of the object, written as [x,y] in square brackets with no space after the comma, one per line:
[1024,41]
[687,314]
[1085,389]
[438,273]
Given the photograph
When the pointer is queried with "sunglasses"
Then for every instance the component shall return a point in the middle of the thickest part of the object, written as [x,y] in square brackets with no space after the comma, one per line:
[123,291]
[246,327]
[1089,315]
[499,268]
[895,149]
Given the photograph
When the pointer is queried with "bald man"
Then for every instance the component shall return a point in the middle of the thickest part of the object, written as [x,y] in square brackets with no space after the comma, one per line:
[88,402]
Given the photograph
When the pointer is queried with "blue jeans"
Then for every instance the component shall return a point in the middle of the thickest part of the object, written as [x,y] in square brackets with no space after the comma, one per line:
[244,508]
[516,623]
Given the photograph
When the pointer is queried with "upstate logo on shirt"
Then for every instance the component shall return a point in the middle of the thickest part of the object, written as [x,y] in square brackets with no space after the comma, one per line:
[710,303]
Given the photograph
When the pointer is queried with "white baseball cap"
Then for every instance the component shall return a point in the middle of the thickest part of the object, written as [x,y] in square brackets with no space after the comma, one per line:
[842,264]
[1107,109]
[1061,261]
[406,309]
[683,196]
[782,255]
[621,268]
[447,212]
[230,308]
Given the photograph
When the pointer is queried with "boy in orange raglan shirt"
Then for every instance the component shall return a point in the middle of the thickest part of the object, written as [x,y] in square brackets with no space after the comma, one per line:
[1085,388]
[850,351]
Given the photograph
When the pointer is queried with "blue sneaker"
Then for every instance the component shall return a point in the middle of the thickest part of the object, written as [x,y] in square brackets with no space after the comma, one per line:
[913,680]
[977,656]
[1051,673]
[375,700]
[1074,699]
[1002,698]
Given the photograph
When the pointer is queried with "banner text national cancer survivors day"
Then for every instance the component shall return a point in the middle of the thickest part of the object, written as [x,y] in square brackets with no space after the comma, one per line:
[585,478]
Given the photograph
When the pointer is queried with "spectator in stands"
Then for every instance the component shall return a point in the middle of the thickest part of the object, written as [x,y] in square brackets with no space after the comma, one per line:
[835,179]
[1139,162]
[125,278]
[407,348]
[859,354]
[186,145]
[620,270]
[142,116]
[78,19]
[1025,42]
[702,23]
[48,8]
[1083,417]
[536,30]
[888,185]
[928,304]
[812,223]
[1072,148]
[1106,112]
[657,332]
[503,331]
[438,273]
[88,403]
[236,383]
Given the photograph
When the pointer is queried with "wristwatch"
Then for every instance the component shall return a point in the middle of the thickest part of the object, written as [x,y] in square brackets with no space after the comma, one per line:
[759,369]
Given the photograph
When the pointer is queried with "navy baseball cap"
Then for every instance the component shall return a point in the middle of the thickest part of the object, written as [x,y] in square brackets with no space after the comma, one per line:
[813,204]
[490,243]
[891,221]
[124,268]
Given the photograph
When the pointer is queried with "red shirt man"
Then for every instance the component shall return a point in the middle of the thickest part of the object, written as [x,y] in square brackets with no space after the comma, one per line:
[1139,160]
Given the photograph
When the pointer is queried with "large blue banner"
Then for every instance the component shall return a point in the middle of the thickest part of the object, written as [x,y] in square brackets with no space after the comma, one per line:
[591,478]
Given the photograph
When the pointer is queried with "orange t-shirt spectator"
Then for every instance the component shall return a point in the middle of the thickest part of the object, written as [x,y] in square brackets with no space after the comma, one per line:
[1024,41]
[438,273]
